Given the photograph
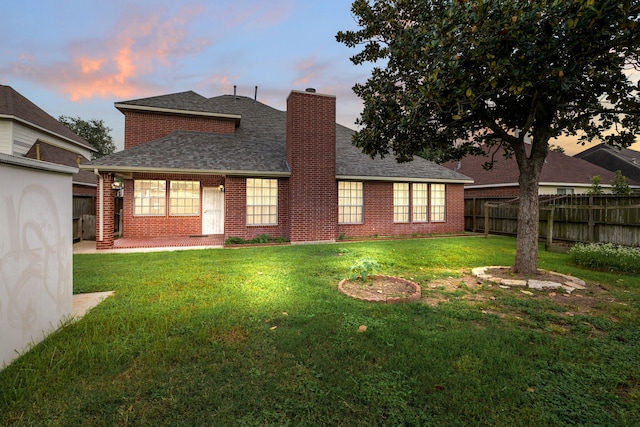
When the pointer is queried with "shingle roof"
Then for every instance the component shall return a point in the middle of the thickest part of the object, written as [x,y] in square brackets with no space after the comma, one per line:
[625,160]
[558,168]
[53,154]
[14,104]
[259,145]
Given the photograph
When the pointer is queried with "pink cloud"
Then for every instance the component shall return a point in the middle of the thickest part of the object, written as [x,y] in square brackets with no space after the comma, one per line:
[309,70]
[139,43]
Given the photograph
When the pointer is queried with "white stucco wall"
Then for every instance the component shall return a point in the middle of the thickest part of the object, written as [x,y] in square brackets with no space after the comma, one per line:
[36,275]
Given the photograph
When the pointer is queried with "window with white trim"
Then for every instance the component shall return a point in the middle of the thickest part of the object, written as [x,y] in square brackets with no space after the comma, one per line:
[184,198]
[350,202]
[400,202]
[262,201]
[438,202]
[420,201]
[149,197]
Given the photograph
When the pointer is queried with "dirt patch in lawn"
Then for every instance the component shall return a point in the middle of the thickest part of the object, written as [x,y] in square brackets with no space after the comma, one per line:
[387,289]
[590,300]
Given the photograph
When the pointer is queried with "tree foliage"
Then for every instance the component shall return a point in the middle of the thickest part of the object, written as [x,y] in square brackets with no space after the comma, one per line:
[460,76]
[619,184]
[94,131]
[596,187]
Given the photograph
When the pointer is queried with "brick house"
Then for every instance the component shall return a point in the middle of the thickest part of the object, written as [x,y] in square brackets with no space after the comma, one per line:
[232,166]
[561,174]
[28,131]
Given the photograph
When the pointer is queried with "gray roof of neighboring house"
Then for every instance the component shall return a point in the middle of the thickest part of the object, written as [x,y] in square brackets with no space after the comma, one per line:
[14,104]
[611,158]
[258,145]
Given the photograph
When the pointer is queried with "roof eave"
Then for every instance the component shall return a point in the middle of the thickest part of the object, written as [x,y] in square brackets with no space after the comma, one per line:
[48,131]
[235,117]
[402,179]
[225,172]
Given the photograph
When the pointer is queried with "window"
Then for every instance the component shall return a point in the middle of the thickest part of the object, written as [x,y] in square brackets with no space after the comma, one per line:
[437,202]
[262,201]
[564,190]
[149,197]
[420,202]
[350,202]
[184,198]
[400,202]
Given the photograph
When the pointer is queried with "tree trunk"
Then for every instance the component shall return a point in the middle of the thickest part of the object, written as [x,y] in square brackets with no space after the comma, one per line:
[528,223]
[530,166]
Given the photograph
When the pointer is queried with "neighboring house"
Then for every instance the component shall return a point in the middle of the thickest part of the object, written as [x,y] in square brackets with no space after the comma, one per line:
[232,166]
[27,131]
[561,174]
[625,160]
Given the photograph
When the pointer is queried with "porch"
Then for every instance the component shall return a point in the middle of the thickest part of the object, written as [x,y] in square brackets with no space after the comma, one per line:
[149,244]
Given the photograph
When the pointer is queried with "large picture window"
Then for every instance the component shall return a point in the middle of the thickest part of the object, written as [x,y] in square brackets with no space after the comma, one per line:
[149,197]
[420,202]
[438,202]
[350,202]
[184,198]
[262,201]
[400,202]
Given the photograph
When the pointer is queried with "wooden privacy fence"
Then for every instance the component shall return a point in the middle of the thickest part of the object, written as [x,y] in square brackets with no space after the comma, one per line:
[84,217]
[571,218]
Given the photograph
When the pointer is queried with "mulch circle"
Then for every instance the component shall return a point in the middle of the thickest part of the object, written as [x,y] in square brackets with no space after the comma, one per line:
[387,289]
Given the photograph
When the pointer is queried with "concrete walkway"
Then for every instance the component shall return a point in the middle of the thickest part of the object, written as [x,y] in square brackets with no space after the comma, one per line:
[82,303]
[89,247]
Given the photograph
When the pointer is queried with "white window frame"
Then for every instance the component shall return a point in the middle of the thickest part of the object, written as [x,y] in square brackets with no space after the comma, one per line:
[420,202]
[350,202]
[184,198]
[400,202]
[149,197]
[262,201]
[438,209]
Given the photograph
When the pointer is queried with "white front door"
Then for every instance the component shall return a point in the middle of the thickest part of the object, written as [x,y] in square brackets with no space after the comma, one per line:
[212,211]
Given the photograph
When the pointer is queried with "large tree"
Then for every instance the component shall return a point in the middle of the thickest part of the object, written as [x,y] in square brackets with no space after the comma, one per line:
[94,131]
[457,77]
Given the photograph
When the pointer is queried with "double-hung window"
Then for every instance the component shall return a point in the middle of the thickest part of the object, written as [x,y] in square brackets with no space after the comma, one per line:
[438,202]
[420,202]
[184,198]
[400,202]
[262,201]
[149,197]
[350,202]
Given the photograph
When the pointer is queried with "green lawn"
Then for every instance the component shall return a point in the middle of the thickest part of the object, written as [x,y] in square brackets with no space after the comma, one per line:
[261,336]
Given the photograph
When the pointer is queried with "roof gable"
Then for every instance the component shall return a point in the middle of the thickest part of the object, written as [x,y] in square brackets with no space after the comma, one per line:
[14,104]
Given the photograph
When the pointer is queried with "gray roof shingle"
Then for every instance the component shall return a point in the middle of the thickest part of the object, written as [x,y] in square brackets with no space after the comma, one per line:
[259,145]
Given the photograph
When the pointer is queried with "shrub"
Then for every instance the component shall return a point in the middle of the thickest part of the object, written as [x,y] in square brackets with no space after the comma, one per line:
[261,238]
[606,257]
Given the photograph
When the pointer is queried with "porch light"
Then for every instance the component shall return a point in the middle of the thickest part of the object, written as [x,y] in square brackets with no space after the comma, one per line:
[221,188]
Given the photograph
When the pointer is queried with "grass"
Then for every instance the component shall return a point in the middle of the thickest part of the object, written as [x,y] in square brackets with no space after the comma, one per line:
[261,336]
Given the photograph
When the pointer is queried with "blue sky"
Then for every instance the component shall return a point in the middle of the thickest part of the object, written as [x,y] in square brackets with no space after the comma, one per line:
[78,57]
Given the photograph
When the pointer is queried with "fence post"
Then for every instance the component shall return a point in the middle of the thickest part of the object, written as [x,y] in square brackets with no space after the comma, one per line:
[550,227]
[591,223]
[486,220]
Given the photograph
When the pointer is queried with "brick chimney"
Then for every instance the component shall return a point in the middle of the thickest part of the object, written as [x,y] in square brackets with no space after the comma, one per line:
[311,154]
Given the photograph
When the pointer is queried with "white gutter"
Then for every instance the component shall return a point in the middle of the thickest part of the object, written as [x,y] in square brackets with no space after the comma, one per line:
[101,218]
[402,179]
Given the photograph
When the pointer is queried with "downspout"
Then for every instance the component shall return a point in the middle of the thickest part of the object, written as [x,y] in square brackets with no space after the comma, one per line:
[101,217]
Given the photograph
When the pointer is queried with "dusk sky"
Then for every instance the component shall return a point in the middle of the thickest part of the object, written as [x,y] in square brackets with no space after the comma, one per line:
[77,57]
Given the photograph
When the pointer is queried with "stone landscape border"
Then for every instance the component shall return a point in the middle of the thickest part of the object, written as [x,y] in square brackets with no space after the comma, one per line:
[565,282]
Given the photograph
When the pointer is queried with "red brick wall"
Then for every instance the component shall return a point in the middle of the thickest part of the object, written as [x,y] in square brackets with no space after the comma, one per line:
[144,127]
[236,211]
[108,217]
[311,154]
[165,225]
[378,214]
[83,190]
